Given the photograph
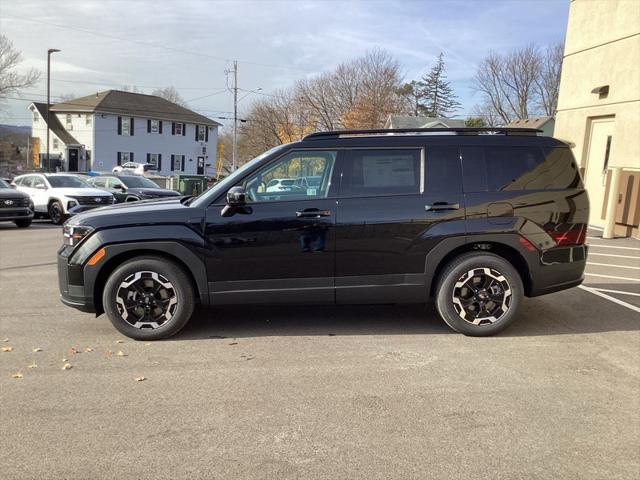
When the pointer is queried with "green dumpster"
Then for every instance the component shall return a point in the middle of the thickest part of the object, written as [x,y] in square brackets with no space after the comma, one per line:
[192,184]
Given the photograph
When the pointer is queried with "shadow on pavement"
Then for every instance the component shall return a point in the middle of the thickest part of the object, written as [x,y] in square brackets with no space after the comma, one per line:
[536,319]
[36,225]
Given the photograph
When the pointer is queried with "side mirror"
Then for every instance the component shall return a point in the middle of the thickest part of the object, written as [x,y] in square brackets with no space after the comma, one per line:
[236,202]
[236,197]
[119,187]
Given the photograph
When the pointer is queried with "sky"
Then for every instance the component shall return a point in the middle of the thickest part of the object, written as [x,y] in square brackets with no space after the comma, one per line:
[190,43]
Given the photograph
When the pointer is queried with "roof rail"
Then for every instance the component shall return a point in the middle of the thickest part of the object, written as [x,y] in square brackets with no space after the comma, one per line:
[391,131]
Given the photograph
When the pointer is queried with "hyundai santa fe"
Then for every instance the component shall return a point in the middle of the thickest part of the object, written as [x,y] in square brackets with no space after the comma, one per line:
[474,219]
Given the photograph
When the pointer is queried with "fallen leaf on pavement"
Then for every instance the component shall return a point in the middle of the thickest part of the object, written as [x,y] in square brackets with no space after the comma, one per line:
[64,359]
[33,365]
[7,349]
[233,343]
[119,341]
[66,366]
[88,349]
[121,353]
[73,350]
[17,375]
[37,349]
[140,379]
[5,340]
[147,344]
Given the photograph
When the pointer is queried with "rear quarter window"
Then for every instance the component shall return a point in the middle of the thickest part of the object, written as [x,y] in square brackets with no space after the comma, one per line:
[496,168]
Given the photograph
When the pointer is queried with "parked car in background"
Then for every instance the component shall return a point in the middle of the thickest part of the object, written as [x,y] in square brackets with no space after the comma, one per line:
[134,168]
[475,219]
[282,185]
[15,206]
[58,195]
[131,188]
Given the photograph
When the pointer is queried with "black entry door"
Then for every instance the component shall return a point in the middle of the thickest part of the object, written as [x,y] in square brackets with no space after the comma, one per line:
[395,206]
[283,251]
[200,166]
[73,160]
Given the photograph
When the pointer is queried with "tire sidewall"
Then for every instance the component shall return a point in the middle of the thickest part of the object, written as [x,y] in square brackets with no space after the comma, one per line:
[181,284]
[455,270]
[57,205]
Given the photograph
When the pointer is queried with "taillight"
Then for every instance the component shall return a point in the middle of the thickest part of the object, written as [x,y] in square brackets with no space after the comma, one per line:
[574,236]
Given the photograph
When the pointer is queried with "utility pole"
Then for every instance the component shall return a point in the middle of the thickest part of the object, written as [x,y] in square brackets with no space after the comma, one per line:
[234,155]
[49,52]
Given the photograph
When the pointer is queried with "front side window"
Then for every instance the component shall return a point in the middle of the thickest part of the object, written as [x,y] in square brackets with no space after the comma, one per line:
[282,179]
[67,181]
[382,172]
[99,182]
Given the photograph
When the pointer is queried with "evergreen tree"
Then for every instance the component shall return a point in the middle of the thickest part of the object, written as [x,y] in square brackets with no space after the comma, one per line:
[439,99]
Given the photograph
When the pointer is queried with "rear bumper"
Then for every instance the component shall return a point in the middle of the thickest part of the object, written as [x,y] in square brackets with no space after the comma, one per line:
[11,214]
[559,269]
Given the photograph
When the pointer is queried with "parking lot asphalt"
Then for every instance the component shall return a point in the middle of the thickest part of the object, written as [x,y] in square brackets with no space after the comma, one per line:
[320,392]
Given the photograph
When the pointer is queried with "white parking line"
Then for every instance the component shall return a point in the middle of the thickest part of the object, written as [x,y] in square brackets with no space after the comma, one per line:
[611,265]
[610,298]
[596,245]
[621,292]
[612,276]
[613,255]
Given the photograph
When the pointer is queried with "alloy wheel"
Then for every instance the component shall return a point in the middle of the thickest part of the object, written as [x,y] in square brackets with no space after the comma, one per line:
[146,299]
[482,296]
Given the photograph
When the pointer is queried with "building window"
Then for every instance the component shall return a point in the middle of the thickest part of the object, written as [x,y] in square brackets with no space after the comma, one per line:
[201,133]
[123,157]
[178,128]
[36,117]
[69,122]
[153,159]
[87,120]
[124,125]
[177,163]
[155,126]
[55,143]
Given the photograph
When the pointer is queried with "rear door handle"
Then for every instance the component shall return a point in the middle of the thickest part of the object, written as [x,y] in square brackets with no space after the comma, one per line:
[313,213]
[441,206]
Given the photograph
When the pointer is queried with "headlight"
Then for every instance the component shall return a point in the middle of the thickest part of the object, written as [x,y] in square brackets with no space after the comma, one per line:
[74,234]
[71,204]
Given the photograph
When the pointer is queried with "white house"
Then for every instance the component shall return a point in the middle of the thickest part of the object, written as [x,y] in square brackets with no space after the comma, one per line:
[110,128]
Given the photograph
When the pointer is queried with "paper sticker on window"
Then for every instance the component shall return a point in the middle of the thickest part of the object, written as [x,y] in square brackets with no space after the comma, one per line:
[311,192]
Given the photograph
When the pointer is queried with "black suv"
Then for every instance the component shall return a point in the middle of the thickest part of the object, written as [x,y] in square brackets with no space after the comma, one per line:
[131,188]
[15,206]
[474,219]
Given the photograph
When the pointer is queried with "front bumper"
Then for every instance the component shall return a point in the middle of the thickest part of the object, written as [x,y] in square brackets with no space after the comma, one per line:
[83,208]
[11,214]
[71,284]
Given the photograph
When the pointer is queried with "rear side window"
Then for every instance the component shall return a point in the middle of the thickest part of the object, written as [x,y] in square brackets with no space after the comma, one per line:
[443,170]
[382,172]
[563,171]
[496,168]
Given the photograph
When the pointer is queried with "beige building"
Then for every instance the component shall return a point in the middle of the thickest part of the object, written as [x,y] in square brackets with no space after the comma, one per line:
[599,108]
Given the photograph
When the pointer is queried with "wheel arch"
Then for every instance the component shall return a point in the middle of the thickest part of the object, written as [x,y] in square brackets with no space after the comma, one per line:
[500,248]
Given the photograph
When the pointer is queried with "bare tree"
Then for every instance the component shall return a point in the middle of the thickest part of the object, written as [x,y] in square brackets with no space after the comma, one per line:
[520,83]
[547,85]
[170,93]
[11,82]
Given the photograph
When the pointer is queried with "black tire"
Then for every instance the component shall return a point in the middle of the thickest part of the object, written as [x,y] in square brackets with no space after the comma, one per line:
[492,311]
[181,289]
[56,213]
[23,222]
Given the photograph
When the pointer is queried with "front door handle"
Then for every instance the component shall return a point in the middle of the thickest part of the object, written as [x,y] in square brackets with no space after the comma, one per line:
[313,213]
[441,206]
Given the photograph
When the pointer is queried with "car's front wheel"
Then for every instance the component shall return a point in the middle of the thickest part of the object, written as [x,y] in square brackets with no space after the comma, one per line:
[56,213]
[23,222]
[149,298]
[478,294]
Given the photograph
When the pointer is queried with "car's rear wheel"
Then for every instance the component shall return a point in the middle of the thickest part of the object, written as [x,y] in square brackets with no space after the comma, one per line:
[56,213]
[149,298]
[23,222]
[478,294]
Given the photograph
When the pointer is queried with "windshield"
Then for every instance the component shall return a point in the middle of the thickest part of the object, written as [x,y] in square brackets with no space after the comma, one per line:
[210,195]
[287,182]
[138,182]
[67,181]
[4,184]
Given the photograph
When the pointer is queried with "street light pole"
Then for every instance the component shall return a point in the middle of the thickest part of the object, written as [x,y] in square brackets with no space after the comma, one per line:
[234,155]
[49,52]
